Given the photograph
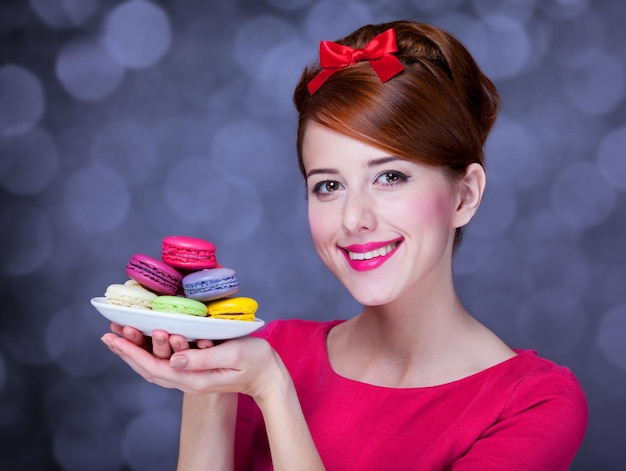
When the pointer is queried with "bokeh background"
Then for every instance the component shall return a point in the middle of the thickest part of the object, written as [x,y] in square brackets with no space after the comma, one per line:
[122,122]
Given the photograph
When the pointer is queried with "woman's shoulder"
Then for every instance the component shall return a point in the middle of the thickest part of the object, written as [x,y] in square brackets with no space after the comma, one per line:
[534,380]
[528,365]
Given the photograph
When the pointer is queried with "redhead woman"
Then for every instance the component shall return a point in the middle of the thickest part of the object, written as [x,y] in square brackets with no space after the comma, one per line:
[392,124]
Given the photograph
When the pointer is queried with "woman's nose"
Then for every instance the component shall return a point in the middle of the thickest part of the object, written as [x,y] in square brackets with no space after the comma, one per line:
[359,214]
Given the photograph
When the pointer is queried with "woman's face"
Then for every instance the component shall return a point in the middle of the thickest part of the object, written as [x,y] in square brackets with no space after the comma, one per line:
[383,225]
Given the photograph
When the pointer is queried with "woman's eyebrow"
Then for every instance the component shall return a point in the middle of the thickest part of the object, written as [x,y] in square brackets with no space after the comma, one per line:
[370,164]
[382,160]
[325,171]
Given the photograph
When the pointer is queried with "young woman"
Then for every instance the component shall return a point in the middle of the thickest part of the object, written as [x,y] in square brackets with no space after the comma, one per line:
[393,120]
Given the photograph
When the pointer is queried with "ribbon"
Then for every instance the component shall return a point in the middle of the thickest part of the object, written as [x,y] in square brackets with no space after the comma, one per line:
[378,52]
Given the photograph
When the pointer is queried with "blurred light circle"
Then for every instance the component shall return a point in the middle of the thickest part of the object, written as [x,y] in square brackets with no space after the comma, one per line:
[86,432]
[326,22]
[137,34]
[257,157]
[553,320]
[538,36]
[243,215]
[256,37]
[543,224]
[608,381]
[150,441]
[97,199]
[227,102]
[180,136]
[563,8]
[489,307]
[512,153]
[126,148]
[497,210]
[611,158]
[271,92]
[285,284]
[31,162]
[610,336]
[521,10]
[500,44]
[435,6]
[608,276]
[51,12]
[20,332]
[22,100]
[64,13]
[132,395]
[471,255]
[196,191]
[289,5]
[557,266]
[558,129]
[86,71]
[581,197]
[73,350]
[79,11]
[26,238]
[594,82]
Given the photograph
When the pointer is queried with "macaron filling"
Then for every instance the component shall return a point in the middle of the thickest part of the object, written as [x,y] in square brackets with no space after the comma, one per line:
[159,276]
[210,286]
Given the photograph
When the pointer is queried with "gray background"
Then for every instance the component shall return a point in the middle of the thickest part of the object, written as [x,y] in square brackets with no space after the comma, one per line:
[124,122]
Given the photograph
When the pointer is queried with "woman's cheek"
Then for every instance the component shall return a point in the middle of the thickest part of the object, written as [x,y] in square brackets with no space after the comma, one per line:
[325,230]
[318,224]
[431,210]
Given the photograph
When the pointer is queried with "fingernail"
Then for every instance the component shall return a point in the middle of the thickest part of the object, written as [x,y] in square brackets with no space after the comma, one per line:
[159,340]
[131,335]
[178,361]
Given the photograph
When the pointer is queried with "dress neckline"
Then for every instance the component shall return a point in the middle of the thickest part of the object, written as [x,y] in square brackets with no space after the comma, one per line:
[450,384]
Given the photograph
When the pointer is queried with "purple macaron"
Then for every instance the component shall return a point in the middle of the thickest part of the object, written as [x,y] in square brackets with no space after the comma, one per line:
[209,284]
[154,274]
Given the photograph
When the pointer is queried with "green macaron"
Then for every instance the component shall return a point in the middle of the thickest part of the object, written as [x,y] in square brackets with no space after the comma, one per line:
[179,305]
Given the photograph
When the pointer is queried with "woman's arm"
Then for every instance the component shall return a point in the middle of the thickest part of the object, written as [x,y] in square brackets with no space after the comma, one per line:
[260,373]
[207,432]
[290,441]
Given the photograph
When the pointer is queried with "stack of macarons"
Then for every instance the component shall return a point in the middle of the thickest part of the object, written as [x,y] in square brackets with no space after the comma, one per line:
[186,279]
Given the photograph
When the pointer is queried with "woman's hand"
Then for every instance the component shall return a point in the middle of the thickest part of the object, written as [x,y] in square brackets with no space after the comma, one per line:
[161,345]
[247,365]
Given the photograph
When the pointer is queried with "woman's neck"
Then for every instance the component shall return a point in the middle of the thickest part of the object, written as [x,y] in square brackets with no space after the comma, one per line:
[417,341]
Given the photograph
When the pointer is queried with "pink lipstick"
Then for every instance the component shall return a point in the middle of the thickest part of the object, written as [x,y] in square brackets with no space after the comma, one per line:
[364,257]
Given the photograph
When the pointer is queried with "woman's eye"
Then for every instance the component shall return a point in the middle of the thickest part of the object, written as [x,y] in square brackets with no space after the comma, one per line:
[391,178]
[327,186]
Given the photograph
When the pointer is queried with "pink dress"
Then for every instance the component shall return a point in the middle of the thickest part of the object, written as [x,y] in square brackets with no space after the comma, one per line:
[526,413]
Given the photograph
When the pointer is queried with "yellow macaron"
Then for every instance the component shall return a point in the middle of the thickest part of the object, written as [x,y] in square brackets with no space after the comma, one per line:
[237,308]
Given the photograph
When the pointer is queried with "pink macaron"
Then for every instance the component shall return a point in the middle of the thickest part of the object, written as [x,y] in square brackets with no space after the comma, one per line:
[188,253]
[154,274]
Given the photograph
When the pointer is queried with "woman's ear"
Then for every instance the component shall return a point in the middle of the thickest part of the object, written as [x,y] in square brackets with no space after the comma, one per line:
[470,192]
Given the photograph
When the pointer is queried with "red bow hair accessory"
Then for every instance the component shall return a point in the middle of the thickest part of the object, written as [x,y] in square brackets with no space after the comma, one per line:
[378,52]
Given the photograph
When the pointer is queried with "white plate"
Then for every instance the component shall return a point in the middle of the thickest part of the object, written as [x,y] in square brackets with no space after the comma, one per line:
[191,327]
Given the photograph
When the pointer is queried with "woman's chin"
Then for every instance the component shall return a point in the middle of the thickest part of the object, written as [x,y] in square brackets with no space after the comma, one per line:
[372,298]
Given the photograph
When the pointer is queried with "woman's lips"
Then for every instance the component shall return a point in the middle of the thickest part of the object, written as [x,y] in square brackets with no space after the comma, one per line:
[364,257]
